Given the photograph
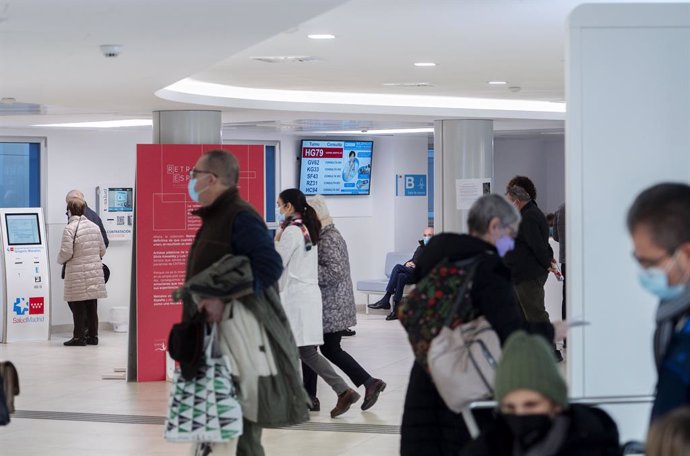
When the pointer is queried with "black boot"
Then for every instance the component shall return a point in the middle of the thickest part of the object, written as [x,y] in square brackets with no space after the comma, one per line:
[394,313]
[383,303]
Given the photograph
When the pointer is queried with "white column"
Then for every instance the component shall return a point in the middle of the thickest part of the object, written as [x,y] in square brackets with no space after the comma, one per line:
[463,149]
[628,97]
[187,127]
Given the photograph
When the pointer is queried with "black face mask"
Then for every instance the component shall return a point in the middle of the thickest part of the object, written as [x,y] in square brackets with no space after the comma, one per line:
[528,429]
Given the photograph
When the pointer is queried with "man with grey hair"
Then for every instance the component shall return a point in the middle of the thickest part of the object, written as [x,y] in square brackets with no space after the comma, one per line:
[88,213]
[230,225]
[531,260]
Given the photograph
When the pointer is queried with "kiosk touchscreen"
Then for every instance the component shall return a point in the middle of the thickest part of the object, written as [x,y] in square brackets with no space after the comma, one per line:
[116,209]
[25,289]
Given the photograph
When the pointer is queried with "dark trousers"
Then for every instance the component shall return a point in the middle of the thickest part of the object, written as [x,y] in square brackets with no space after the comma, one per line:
[333,352]
[85,317]
[400,276]
[563,313]
[429,427]
[531,296]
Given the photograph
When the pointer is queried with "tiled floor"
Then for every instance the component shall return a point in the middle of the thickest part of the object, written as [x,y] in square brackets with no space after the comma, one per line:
[55,378]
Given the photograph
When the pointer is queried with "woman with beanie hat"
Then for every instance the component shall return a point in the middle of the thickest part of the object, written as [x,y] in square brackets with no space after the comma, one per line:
[339,311]
[535,418]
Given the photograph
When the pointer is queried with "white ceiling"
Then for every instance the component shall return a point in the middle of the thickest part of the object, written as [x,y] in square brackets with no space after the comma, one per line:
[50,56]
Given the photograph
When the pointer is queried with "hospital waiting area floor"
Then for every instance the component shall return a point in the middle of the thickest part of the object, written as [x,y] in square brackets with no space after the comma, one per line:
[66,408]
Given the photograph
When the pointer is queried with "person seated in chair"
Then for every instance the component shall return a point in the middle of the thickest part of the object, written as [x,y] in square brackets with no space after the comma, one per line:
[401,275]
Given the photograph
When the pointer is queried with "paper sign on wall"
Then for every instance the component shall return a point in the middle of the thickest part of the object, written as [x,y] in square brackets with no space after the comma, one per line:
[467,191]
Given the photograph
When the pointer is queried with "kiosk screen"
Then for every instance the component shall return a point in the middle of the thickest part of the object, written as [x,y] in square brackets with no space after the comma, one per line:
[120,200]
[22,229]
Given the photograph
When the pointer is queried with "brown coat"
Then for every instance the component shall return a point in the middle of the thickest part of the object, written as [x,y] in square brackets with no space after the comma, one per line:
[82,250]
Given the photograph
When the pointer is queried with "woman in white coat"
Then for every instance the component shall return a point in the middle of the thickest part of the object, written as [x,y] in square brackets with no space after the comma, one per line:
[296,242]
[81,251]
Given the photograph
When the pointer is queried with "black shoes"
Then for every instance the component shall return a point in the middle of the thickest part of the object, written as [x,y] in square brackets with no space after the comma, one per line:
[75,343]
[371,395]
[315,404]
[559,357]
[92,340]
[394,313]
[383,303]
[348,332]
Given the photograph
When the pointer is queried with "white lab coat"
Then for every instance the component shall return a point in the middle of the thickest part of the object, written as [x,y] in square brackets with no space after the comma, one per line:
[299,287]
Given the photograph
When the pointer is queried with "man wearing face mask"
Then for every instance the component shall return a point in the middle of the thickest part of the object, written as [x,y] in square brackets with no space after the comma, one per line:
[531,260]
[535,418]
[230,225]
[401,275]
[429,427]
[659,223]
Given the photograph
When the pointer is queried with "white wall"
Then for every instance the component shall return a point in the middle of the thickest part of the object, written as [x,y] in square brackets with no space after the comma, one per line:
[628,88]
[542,160]
[85,159]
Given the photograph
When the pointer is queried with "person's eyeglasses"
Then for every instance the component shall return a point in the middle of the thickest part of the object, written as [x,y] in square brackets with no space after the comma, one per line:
[647,263]
[193,173]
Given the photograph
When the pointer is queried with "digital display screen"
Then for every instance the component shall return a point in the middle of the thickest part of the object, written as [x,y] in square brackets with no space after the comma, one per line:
[335,167]
[22,229]
[120,200]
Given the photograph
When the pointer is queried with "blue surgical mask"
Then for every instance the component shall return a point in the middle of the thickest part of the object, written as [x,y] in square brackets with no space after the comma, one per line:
[505,244]
[280,217]
[193,194]
[655,281]
[426,239]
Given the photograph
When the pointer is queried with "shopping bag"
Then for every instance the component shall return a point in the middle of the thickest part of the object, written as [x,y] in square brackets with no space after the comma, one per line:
[205,408]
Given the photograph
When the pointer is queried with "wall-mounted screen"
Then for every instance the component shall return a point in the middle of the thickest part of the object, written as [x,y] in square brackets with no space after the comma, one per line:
[120,200]
[22,229]
[335,167]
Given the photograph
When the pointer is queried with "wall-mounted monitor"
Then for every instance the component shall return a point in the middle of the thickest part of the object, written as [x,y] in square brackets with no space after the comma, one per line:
[335,167]
[22,229]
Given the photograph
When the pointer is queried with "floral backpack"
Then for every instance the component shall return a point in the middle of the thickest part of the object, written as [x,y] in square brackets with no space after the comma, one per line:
[425,310]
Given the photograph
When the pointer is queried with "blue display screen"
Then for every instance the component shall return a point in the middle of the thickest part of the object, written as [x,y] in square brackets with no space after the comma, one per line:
[335,167]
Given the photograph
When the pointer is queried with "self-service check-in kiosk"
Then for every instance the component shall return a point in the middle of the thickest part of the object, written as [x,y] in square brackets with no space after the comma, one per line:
[115,206]
[24,276]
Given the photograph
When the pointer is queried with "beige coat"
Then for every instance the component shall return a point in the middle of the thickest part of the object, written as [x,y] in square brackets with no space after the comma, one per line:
[84,272]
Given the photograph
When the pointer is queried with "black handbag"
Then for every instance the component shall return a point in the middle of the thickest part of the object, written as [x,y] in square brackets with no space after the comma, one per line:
[106,272]
[4,411]
[186,344]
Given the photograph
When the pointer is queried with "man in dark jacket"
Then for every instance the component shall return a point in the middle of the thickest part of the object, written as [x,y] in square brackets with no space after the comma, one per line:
[535,417]
[88,213]
[401,275]
[659,223]
[530,261]
[429,427]
[230,225]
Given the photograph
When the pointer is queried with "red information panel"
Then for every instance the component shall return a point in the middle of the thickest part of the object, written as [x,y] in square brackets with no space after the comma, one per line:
[164,231]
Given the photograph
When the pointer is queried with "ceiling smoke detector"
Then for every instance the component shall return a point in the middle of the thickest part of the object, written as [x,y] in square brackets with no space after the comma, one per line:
[110,51]
[286,59]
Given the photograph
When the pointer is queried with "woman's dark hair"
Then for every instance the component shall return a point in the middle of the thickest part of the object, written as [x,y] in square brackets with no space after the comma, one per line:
[76,207]
[352,154]
[309,217]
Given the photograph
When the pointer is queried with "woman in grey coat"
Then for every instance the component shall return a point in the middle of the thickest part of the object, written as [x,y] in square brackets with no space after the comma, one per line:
[339,311]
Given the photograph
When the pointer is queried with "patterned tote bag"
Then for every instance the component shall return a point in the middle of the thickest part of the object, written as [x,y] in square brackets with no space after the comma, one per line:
[204,409]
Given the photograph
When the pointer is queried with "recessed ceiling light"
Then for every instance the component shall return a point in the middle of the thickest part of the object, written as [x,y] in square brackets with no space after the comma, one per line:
[321,36]
[425,64]
[497,83]
[407,84]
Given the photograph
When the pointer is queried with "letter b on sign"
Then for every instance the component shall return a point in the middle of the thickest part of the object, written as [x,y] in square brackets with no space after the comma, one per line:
[409,182]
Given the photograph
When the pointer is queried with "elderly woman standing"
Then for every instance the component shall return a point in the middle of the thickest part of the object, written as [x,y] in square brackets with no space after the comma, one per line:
[338,309]
[81,251]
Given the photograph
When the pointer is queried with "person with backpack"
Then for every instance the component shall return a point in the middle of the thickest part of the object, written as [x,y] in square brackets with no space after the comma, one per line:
[429,427]
[659,223]
[534,415]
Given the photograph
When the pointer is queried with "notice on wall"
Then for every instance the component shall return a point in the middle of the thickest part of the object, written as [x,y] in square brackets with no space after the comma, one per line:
[165,229]
[467,191]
